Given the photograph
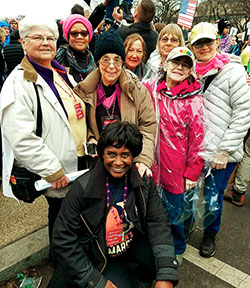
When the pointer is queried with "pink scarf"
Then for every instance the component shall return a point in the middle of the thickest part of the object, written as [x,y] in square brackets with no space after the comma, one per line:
[107,102]
[216,63]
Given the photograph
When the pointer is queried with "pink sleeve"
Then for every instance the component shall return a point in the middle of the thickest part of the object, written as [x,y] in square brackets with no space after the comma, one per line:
[195,139]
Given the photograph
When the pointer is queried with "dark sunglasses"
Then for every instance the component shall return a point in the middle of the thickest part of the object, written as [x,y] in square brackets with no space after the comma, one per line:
[76,34]
[200,43]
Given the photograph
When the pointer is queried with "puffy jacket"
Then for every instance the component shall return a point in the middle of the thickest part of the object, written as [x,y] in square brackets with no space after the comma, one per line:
[136,108]
[49,156]
[79,236]
[180,117]
[227,108]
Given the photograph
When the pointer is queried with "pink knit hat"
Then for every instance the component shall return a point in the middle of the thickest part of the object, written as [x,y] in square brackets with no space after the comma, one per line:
[71,20]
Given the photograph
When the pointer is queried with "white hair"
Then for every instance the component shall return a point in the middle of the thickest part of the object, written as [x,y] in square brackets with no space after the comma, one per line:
[28,22]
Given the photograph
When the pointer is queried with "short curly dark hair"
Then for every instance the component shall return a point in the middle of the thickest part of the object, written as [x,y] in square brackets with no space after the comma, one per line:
[120,133]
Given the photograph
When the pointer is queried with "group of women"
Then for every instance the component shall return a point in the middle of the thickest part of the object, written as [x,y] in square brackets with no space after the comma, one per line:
[112,226]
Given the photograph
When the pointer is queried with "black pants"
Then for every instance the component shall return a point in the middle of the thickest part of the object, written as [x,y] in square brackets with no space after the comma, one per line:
[133,269]
[54,207]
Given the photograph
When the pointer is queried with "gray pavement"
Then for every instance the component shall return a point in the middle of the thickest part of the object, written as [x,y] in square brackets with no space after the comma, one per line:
[229,268]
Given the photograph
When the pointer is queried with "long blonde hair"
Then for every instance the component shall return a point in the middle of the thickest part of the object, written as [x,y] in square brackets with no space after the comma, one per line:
[173,29]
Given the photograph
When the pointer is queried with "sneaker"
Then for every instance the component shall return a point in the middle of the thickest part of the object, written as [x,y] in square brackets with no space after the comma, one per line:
[228,192]
[207,248]
[127,15]
[238,198]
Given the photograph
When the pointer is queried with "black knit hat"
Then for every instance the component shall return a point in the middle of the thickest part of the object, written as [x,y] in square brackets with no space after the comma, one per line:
[222,24]
[109,42]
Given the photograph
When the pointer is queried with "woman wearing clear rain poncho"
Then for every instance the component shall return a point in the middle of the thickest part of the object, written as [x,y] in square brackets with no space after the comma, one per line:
[180,118]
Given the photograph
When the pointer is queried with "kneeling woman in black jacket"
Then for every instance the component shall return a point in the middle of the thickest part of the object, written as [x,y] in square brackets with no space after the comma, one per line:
[112,230]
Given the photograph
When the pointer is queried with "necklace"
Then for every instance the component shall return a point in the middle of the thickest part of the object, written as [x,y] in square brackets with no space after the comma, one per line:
[69,92]
[106,103]
[111,116]
[124,199]
[77,105]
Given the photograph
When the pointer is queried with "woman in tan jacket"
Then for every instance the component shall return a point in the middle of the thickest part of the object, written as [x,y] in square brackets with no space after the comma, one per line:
[113,93]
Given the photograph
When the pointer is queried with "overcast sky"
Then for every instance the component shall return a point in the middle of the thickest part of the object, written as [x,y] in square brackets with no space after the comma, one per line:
[54,8]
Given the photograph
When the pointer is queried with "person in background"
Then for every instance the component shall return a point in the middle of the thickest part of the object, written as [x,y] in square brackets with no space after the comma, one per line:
[224,27]
[234,48]
[135,49]
[159,26]
[169,38]
[241,180]
[180,118]
[13,52]
[245,54]
[143,16]
[126,6]
[77,9]
[13,24]
[2,62]
[227,109]
[6,28]
[113,93]
[60,148]
[133,244]
[75,56]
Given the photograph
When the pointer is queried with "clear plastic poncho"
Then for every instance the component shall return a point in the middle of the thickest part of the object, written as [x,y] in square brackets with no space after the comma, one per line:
[179,146]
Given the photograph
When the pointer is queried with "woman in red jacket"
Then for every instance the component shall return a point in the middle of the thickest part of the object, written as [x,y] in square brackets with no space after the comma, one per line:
[179,112]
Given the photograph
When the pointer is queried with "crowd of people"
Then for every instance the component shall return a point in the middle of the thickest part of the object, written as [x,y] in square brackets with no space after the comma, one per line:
[165,116]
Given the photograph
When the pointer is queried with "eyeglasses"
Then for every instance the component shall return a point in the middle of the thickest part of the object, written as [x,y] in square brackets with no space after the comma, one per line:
[166,39]
[76,34]
[117,62]
[200,43]
[40,38]
[184,66]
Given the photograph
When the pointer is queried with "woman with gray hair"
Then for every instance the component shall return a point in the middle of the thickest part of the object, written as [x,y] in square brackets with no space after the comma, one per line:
[59,149]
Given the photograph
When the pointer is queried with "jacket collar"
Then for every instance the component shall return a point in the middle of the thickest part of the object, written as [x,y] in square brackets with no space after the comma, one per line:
[30,72]
[141,25]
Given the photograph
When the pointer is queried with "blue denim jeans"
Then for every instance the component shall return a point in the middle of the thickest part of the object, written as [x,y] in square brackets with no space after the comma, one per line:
[175,202]
[221,178]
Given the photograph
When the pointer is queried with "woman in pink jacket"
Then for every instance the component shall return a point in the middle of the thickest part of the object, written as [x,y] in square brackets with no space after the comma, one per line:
[179,110]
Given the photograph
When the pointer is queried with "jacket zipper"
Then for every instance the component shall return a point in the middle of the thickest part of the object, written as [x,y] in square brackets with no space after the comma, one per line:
[144,201]
[98,245]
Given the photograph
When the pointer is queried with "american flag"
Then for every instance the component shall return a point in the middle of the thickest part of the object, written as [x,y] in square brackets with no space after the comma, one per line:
[187,11]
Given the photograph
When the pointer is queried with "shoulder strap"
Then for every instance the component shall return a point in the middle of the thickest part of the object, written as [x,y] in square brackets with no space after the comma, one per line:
[208,80]
[39,114]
